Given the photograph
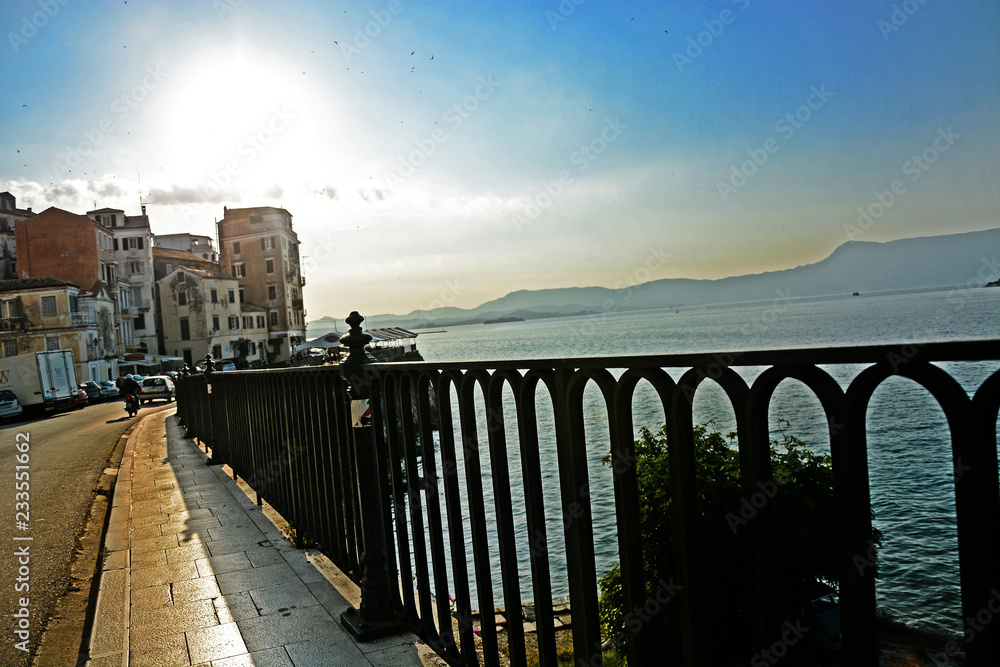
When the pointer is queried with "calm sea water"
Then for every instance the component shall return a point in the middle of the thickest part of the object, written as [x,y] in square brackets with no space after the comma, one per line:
[909,452]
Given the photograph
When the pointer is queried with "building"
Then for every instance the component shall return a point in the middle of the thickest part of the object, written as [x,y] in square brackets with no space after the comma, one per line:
[10,217]
[192,243]
[202,315]
[132,243]
[46,313]
[259,247]
[77,249]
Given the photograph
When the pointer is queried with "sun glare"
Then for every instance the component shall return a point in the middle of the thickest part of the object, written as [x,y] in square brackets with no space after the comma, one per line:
[219,102]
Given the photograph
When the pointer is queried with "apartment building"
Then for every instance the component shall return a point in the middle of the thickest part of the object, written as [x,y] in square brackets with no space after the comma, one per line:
[258,247]
[192,243]
[201,314]
[132,243]
[41,314]
[79,250]
[10,217]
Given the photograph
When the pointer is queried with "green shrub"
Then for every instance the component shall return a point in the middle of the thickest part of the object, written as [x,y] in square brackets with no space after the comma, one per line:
[803,506]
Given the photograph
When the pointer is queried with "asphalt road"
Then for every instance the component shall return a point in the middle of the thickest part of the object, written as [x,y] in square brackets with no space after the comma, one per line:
[66,454]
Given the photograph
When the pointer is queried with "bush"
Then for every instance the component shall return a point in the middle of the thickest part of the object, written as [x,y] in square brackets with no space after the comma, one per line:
[805,547]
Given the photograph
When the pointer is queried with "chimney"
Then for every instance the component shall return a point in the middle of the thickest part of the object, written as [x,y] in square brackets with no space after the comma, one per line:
[144,209]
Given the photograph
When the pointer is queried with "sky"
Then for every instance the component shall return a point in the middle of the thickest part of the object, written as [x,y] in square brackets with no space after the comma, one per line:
[448,153]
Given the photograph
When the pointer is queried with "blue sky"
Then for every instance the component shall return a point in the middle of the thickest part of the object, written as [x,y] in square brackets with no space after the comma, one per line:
[448,153]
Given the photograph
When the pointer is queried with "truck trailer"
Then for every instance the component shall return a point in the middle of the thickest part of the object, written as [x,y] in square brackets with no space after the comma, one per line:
[42,381]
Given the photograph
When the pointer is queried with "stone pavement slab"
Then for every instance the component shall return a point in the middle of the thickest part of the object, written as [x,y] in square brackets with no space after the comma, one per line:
[194,573]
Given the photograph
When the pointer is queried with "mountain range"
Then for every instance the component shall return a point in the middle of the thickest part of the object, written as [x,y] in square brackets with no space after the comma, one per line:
[948,261]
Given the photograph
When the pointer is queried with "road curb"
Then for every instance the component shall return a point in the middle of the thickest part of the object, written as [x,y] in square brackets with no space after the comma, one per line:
[67,630]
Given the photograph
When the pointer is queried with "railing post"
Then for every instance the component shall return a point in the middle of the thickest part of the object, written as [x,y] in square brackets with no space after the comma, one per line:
[375,618]
[213,459]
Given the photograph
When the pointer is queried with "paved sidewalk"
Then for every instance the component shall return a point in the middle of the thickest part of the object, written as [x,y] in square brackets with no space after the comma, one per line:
[194,573]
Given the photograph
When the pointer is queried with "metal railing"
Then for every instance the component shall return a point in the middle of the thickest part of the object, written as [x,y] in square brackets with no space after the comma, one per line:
[82,318]
[387,482]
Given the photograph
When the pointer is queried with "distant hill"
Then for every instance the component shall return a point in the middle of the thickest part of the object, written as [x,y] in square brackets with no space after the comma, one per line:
[934,262]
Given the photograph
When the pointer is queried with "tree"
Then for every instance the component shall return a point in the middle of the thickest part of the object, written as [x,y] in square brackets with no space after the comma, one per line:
[803,505]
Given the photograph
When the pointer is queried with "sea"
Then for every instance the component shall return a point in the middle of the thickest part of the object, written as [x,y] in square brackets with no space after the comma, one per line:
[911,468]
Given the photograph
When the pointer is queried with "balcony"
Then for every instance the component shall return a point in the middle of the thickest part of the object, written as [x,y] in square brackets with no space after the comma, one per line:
[107,255]
[297,304]
[12,324]
[143,304]
[302,281]
[136,278]
[129,312]
[82,318]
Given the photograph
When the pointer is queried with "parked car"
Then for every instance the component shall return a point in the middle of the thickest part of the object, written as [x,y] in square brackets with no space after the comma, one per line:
[80,401]
[10,407]
[93,391]
[109,390]
[157,386]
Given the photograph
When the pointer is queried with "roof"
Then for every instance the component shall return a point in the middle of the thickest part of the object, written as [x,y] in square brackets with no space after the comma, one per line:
[170,253]
[252,307]
[106,210]
[58,213]
[206,274]
[389,333]
[22,284]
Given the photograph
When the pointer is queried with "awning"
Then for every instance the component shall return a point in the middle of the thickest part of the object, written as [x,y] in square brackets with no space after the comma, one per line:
[146,359]
[325,341]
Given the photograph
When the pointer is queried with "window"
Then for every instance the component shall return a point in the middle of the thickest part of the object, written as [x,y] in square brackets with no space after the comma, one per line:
[274,318]
[135,267]
[49,307]
[295,292]
[140,321]
[256,217]
[216,351]
[215,296]
[51,343]
[236,247]
[11,309]
[248,321]
[269,265]
[267,243]
[238,270]
[232,296]
[260,322]
[180,277]
[242,295]
[185,329]
[10,348]
[188,358]
[215,323]
[132,243]
[182,298]
[272,292]
[234,322]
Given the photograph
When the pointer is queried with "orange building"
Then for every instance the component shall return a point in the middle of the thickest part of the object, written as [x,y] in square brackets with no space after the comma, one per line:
[68,246]
[259,247]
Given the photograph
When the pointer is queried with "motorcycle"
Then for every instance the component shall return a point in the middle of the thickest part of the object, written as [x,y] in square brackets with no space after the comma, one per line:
[131,404]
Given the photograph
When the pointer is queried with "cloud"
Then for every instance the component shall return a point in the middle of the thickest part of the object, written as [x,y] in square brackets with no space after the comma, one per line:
[182,194]
[274,192]
[373,194]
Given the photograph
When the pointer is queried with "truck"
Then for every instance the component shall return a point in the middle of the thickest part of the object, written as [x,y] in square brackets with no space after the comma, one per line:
[42,381]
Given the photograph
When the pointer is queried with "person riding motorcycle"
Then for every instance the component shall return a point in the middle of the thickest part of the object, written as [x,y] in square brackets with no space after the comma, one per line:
[131,388]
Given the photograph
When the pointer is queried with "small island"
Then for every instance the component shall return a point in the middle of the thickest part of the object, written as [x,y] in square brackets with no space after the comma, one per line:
[994,283]
[503,320]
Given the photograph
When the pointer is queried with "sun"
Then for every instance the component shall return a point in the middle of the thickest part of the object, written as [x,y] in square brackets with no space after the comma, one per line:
[217,102]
